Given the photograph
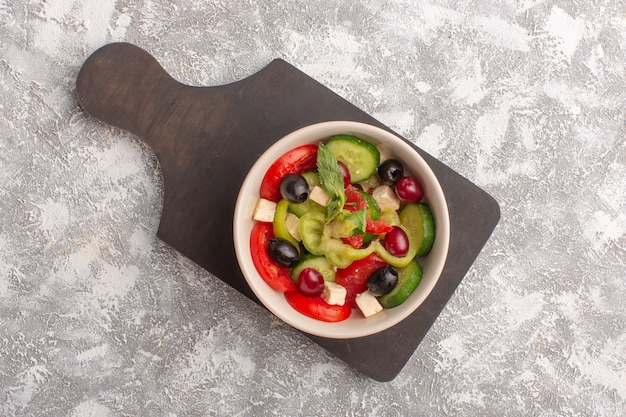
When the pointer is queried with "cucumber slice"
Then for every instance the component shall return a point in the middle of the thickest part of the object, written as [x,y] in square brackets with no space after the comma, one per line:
[419,220]
[361,157]
[312,178]
[307,206]
[319,263]
[409,278]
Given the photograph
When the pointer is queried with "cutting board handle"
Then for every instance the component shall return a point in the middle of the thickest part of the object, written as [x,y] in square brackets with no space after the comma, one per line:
[124,86]
[207,138]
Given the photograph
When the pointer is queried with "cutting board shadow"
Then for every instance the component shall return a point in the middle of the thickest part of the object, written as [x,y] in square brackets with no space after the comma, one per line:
[207,138]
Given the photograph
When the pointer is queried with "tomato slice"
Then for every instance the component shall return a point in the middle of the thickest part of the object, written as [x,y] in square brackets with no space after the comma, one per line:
[354,202]
[354,277]
[377,227]
[296,161]
[317,308]
[355,241]
[276,276]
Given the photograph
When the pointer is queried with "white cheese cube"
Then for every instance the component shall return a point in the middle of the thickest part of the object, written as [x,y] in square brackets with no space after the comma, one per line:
[291,221]
[334,294]
[264,210]
[318,195]
[386,197]
[368,304]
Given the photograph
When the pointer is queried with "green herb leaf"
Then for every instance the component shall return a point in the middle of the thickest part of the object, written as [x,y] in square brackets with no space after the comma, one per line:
[332,181]
[329,171]
[358,219]
[333,208]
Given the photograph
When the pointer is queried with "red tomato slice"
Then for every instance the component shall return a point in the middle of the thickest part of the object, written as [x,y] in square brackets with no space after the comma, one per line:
[355,202]
[297,161]
[355,241]
[276,276]
[354,277]
[317,308]
[377,227]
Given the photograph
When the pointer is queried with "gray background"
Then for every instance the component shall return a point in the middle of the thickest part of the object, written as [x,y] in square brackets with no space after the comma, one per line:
[525,98]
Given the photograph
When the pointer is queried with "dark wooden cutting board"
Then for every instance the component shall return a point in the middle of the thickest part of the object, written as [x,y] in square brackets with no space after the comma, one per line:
[207,138]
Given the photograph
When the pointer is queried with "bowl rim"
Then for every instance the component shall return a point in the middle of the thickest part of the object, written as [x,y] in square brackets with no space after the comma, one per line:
[242,222]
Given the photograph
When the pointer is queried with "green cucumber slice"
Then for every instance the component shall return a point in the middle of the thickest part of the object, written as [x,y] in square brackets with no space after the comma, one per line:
[360,157]
[312,178]
[419,220]
[409,278]
[319,263]
[307,206]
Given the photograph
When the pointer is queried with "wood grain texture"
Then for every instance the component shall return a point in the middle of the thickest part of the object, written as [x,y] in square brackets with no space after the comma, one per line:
[207,138]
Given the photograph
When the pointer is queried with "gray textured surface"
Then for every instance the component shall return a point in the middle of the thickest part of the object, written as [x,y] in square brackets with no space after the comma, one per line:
[524,98]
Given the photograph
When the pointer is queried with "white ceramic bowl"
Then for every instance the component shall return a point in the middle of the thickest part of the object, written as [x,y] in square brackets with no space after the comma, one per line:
[356,325]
